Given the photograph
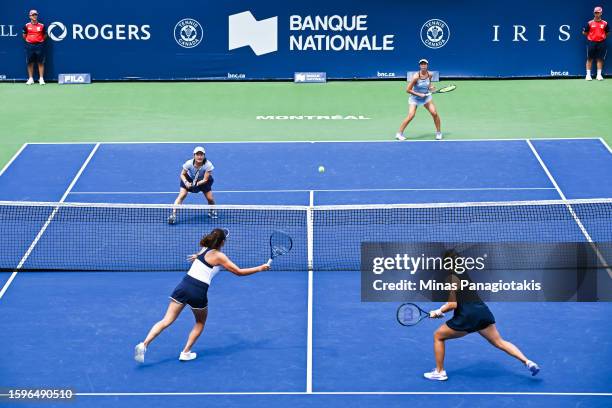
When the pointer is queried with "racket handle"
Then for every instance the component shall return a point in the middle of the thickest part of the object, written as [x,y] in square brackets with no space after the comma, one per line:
[269,263]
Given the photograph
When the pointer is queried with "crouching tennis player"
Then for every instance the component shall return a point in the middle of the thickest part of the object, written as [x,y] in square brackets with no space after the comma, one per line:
[192,291]
[196,176]
[469,315]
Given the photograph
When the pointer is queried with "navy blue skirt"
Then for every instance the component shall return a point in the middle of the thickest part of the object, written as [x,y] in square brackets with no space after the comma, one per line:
[204,188]
[471,317]
[192,292]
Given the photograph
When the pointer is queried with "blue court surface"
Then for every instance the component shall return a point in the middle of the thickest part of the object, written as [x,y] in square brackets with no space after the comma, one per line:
[296,338]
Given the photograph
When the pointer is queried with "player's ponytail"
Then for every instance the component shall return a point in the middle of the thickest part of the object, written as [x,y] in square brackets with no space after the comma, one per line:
[215,239]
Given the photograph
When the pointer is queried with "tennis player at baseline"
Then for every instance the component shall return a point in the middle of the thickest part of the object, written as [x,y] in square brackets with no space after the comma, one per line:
[193,290]
[469,315]
[196,176]
[420,89]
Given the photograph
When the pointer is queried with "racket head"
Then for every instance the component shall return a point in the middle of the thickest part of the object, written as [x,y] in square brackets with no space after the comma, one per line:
[409,314]
[280,243]
[447,89]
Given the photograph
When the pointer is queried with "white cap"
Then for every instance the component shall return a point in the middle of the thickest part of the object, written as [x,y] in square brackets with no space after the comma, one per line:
[199,149]
[423,60]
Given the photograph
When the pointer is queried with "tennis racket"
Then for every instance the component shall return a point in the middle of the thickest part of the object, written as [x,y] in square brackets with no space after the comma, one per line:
[195,179]
[280,244]
[445,89]
[409,314]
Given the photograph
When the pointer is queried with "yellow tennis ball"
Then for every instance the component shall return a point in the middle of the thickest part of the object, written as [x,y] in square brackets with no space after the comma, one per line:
[321,169]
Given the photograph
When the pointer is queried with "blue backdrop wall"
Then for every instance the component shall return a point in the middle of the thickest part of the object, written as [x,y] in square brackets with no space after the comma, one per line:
[247,39]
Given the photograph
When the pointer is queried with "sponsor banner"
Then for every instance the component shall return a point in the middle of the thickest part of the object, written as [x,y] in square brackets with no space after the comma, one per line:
[265,40]
[472,272]
[309,77]
[74,79]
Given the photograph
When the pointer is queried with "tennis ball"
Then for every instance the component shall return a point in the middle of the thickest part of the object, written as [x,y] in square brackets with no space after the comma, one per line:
[321,169]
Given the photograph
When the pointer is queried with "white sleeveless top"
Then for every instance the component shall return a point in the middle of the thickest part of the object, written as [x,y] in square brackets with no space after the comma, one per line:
[202,270]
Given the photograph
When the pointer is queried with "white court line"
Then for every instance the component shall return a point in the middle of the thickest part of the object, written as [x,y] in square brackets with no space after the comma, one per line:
[7,165]
[310,240]
[601,139]
[571,210]
[325,190]
[203,141]
[492,393]
[46,224]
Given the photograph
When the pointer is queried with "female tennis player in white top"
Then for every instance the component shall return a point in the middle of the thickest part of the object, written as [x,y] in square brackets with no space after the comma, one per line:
[193,289]
[196,176]
[420,89]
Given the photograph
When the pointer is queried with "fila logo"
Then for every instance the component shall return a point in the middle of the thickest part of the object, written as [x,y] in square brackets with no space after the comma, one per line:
[245,30]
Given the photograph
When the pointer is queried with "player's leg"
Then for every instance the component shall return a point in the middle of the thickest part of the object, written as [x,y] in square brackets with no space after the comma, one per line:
[172,313]
[200,320]
[208,194]
[492,335]
[436,118]
[209,197]
[440,336]
[411,112]
[179,200]
[181,196]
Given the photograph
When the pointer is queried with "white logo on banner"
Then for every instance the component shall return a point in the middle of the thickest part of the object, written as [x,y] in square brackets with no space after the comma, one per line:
[57,31]
[188,33]
[245,30]
[435,33]
[8,30]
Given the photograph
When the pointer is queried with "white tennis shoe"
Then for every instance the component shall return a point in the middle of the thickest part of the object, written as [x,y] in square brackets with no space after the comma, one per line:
[30,81]
[438,135]
[436,375]
[187,356]
[532,367]
[172,219]
[588,78]
[139,352]
[399,136]
[599,77]
[41,81]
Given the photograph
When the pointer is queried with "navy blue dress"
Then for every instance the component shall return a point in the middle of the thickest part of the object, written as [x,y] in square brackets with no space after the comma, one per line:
[470,315]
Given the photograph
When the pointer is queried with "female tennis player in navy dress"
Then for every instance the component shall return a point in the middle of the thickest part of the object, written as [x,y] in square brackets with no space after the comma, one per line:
[196,176]
[193,289]
[420,88]
[469,316]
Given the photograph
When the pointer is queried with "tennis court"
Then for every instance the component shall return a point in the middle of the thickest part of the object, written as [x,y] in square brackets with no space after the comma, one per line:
[292,337]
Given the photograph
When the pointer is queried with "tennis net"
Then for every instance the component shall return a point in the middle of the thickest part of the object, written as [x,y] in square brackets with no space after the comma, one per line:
[123,237]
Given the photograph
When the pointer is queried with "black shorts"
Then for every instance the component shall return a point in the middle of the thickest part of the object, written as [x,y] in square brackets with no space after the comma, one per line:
[204,188]
[471,317]
[192,292]
[35,53]
[597,50]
